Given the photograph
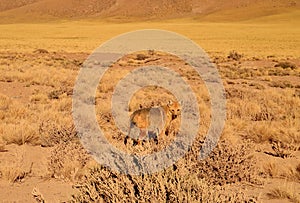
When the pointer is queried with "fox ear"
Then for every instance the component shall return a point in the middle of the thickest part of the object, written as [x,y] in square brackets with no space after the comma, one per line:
[181,103]
[170,103]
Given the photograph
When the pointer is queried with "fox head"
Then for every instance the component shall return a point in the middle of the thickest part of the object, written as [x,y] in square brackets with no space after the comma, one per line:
[174,109]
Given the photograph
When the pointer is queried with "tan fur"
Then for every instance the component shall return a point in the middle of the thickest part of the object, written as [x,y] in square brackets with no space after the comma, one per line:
[140,118]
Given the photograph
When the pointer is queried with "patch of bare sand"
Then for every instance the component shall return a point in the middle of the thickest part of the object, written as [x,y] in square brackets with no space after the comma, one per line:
[20,91]
[33,159]
[52,190]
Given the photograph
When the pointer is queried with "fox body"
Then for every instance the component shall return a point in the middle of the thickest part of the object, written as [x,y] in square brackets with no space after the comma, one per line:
[147,123]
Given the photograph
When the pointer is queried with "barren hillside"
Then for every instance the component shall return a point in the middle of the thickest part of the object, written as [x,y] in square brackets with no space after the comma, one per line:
[146,9]
[12,4]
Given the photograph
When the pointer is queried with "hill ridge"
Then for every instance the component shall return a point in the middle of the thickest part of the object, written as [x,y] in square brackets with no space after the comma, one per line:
[146,9]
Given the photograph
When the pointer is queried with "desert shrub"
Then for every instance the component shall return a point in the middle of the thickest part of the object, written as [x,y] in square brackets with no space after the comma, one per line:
[234,55]
[281,84]
[13,174]
[54,94]
[261,132]
[39,98]
[141,57]
[283,150]
[189,180]
[103,185]
[297,93]
[285,65]
[68,161]
[40,51]
[52,134]
[229,164]
[15,170]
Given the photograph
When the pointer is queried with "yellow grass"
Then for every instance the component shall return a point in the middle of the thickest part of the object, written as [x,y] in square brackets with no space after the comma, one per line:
[257,109]
[258,37]
[285,191]
[15,169]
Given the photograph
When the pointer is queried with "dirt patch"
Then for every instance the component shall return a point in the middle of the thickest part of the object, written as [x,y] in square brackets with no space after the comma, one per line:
[19,91]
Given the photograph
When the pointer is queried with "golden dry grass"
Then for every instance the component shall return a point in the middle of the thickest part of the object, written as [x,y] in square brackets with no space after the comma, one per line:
[259,37]
[263,115]
[286,191]
[262,106]
[15,170]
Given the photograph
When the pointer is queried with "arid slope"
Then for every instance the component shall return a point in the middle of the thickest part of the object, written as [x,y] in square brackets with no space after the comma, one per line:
[33,10]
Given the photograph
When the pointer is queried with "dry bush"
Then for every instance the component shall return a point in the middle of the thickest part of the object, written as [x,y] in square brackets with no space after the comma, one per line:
[283,150]
[229,164]
[103,185]
[56,94]
[39,98]
[286,191]
[234,55]
[40,51]
[189,180]
[285,65]
[261,132]
[15,170]
[68,161]
[52,134]
[141,57]
[281,84]
[13,173]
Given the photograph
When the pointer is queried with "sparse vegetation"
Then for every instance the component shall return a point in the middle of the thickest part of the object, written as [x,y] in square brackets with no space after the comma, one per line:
[15,170]
[228,164]
[52,134]
[234,55]
[262,115]
[286,65]
[102,184]
[262,90]
[68,161]
[286,191]
[283,150]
